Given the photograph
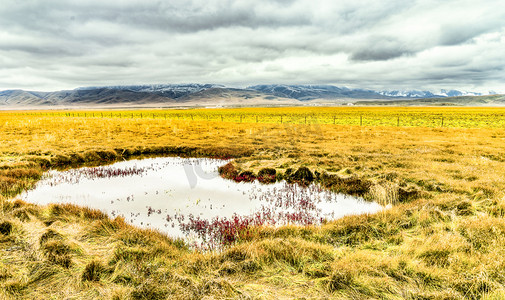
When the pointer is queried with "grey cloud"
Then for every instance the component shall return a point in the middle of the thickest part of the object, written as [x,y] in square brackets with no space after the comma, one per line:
[350,17]
[42,51]
[63,44]
[174,16]
[454,34]
[377,54]
[379,48]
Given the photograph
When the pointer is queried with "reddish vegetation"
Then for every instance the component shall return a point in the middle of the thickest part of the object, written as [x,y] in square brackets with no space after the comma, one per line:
[267,175]
[228,171]
[290,204]
[74,176]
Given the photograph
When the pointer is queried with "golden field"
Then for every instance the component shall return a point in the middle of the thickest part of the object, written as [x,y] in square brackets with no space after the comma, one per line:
[464,117]
[444,238]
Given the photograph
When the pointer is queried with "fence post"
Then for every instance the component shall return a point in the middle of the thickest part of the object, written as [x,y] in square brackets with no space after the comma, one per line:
[442,121]
[256,119]
[360,120]
[398,122]
[281,119]
[334,120]
[221,118]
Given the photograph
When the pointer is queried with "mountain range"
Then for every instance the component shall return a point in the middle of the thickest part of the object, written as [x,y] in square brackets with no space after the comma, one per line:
[210,95]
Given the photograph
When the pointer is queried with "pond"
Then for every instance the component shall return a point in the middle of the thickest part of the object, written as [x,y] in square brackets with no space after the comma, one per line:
[186,198]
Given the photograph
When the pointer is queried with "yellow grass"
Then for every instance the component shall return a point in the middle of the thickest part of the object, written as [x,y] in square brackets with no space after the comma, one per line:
[465,117]
[443,239]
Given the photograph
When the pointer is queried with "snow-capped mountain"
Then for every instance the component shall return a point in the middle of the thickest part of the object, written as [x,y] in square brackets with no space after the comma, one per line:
[408,94]
[309,92]
[427,94]
[455,93]
[167,90]
[181,94]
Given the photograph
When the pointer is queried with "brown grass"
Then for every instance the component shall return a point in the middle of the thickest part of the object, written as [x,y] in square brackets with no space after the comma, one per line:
[443,239]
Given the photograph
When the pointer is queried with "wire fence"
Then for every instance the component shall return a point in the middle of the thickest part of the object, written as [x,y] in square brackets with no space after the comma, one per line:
[423,119]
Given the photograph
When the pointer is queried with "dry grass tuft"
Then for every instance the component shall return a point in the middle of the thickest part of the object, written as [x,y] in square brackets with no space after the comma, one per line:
[93,271]
[5,228]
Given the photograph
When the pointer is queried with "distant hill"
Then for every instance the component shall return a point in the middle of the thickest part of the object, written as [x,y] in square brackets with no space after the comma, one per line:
[172,91]
[489,100]
[427,94]
[180,95]
[84,96]
[311,92]
[141,96]
[220,96]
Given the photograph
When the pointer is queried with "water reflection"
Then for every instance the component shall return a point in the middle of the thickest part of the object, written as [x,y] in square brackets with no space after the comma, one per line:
[187,198]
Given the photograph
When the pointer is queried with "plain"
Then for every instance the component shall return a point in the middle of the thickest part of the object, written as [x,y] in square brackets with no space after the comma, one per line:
[441,168]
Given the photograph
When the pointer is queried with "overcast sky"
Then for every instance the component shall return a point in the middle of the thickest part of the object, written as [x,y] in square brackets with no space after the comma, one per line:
[395,44]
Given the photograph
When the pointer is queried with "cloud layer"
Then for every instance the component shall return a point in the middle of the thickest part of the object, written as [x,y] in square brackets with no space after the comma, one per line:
[394,44]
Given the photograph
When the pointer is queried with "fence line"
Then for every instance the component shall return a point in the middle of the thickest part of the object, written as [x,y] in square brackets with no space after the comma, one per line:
[404,120]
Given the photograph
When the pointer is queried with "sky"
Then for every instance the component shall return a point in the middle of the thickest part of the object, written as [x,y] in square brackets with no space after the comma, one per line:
[50,45]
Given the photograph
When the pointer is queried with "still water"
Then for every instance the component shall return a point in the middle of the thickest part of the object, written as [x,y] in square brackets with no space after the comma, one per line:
[186,197]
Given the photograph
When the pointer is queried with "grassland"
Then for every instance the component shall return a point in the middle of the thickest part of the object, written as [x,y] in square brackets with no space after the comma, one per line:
[467,117]
[443,239]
